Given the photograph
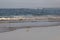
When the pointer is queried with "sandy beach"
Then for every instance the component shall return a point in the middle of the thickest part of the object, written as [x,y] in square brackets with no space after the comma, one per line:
[34,31]
[39,33]
[48,29]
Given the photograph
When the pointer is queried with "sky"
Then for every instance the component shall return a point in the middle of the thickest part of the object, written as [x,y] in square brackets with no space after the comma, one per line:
[29,3]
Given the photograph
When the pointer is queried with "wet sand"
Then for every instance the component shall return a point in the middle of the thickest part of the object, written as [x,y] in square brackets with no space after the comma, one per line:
[39,33]
[30,31]
[24,24]
[7,27]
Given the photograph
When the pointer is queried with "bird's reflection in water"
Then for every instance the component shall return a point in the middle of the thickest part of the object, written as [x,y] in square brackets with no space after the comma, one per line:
[8,29]
[28,27]
[13,26]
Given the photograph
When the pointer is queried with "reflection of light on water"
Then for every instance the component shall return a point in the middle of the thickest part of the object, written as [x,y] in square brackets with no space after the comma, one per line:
[31,18]
[6,27]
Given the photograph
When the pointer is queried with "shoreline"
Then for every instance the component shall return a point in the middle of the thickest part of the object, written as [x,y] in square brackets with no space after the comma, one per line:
[32,18]
[30,24]
[9,29]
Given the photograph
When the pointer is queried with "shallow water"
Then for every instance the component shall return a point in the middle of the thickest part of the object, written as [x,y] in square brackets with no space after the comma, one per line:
[6,27]
[22,24]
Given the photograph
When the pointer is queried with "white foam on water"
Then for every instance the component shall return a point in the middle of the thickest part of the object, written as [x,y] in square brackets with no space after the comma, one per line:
[32,18]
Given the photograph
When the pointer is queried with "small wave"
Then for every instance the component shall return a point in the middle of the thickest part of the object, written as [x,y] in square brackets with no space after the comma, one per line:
[32,18]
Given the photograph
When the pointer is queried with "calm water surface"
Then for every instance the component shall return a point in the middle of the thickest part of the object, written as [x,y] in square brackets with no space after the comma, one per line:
[22,24]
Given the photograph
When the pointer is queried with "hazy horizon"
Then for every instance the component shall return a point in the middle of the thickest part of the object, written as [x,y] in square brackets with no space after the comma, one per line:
[29,3]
